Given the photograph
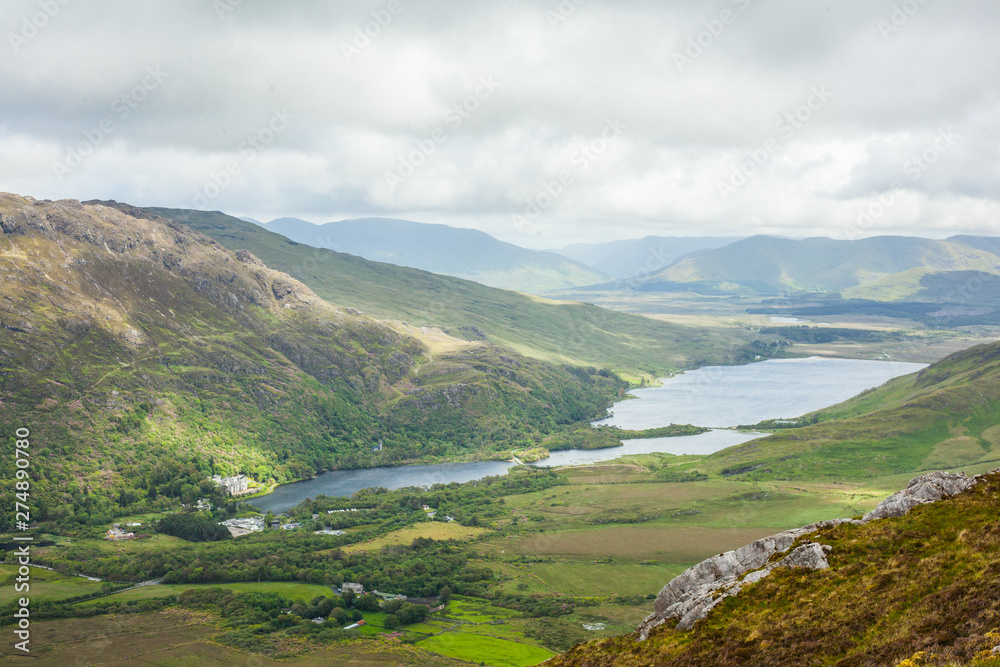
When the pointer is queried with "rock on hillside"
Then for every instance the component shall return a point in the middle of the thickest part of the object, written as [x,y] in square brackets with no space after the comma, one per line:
[695,592]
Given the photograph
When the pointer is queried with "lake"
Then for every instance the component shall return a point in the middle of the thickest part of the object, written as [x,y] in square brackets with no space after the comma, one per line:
[724,396]
[714,396]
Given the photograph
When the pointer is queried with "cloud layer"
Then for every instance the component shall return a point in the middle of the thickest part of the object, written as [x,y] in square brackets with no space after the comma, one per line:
[542,123]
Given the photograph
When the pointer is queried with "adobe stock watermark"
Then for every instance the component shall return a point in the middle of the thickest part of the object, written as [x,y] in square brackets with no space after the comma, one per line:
[562,13]
[408,164]
[914,168]
[121,109]
[703,40]
[32,25]
[364,34]
[786,127]
[550,191]
[899,17]
[248,150]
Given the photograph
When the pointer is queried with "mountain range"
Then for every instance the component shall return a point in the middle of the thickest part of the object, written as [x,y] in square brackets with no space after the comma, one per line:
[452,251]
[881,268]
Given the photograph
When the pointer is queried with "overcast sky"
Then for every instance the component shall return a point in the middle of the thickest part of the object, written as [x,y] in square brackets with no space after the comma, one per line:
[542,123]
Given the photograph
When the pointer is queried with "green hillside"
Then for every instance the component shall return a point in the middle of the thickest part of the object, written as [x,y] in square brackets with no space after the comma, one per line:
[144,357]
[945,416]
[563,332]
[452,251]
[887,267]
[914,591]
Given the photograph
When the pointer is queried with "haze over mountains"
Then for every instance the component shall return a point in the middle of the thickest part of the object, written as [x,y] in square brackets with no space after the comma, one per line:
[629,257]
[881,268]
[453,251]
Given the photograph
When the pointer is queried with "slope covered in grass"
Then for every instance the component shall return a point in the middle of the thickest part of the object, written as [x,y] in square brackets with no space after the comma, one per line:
[144,357]
[922,589]
[564,332]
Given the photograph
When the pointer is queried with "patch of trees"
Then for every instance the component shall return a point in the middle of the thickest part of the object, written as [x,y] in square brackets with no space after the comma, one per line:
[193,527]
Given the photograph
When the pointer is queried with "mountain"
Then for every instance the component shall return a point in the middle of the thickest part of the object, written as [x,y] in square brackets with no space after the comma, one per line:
[144,357]
[452,251]
[556,331]
[640,257]
[916,588]
[881,267]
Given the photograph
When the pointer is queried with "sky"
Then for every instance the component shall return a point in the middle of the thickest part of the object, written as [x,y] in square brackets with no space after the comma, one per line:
[542,123]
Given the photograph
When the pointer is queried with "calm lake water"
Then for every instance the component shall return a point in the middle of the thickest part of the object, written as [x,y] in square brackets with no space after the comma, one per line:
[723,396]
[715,396]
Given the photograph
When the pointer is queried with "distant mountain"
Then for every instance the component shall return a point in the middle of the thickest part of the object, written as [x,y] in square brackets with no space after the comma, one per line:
[452,251]
[640,257]
[881,267]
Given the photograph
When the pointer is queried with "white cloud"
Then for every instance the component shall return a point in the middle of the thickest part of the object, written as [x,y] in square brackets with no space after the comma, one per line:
[357,117]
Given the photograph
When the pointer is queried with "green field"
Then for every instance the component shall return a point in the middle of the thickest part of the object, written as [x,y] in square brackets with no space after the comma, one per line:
[44,584]
[293,591]
[484,649]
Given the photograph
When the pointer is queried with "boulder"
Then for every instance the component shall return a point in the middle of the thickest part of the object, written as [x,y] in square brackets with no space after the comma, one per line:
[691,595]
[924,489]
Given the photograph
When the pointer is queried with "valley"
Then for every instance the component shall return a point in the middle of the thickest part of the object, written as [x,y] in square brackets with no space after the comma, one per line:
[139,338]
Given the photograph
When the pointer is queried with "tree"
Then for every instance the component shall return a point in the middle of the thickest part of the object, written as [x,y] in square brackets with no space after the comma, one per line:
[444,595]
[390,622]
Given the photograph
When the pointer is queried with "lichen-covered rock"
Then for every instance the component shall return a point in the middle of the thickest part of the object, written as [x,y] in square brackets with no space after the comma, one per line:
[924,489]
[691,595]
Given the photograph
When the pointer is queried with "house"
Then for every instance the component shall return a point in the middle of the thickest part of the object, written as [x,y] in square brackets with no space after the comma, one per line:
[234,485]
[319,620]
[356,588]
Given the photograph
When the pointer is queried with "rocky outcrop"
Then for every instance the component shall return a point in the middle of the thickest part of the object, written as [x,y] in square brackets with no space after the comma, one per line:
[690,596]
[924,489]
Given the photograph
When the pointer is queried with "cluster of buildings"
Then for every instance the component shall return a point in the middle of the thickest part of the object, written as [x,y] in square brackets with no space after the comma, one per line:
[431,513]
[245,526]
[117,533]
[234,486]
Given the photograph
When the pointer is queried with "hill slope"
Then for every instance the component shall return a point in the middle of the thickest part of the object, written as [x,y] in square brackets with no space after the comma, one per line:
[944,416]
[563,332]
[640,257]
[464,253]
[769,265]
[917,590]
[144,357]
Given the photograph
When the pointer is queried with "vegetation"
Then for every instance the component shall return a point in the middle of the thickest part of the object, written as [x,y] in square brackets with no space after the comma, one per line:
[156,358]
[921,588]
[560,332]
[193,527]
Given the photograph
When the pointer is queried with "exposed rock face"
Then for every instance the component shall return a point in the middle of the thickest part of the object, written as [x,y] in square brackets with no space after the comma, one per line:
[690,596]
[924,489]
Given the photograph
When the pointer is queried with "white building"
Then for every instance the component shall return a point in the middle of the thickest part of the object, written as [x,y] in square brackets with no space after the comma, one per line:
[234,485]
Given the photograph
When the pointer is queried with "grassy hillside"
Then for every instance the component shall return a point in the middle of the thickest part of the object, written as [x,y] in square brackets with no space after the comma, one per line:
[144,357]
[918,590]
[890,267]
[945,416]
[563,332]
[464,253]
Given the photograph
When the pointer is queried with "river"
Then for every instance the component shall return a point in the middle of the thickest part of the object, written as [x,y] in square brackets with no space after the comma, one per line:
[714,396]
